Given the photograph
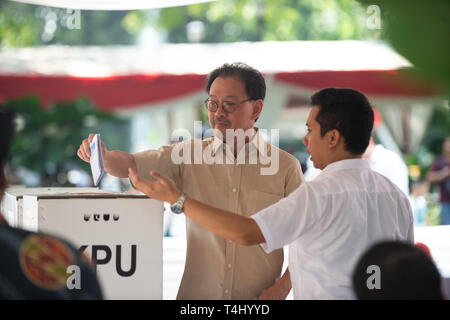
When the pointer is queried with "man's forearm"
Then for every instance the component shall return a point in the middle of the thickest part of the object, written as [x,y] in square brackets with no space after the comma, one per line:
[226,224]
[117,163]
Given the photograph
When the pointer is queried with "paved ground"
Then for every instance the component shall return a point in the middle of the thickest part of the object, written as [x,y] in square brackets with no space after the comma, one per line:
[437,238]
[174,252]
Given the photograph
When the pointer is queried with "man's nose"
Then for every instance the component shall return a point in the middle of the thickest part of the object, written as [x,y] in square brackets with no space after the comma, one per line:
[220,110]
[305,141]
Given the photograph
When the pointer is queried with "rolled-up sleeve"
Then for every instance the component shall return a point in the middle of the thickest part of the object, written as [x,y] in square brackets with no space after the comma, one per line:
[286,220]
[159,160]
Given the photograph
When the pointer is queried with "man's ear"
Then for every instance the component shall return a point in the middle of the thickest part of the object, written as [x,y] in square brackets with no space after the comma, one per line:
[334,137]
[257,108]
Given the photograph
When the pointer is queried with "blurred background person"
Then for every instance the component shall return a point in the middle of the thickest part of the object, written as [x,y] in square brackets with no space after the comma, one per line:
[403,270]
[419,191]
[385,161]
[440,174]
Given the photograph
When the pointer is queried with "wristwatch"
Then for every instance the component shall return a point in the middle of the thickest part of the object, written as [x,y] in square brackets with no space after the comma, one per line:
[177,207]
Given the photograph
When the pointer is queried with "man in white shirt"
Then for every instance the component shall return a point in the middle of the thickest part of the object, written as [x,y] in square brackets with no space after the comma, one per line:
[381,160]
[327,223]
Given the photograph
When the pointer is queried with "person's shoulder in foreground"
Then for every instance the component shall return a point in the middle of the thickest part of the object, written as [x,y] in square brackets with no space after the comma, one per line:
[39,266]
[34,265]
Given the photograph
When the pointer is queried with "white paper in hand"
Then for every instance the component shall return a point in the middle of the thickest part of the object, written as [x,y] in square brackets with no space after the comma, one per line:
[96,160]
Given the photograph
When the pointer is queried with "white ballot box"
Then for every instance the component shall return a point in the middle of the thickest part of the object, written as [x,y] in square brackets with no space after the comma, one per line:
[121,233]
[12,200]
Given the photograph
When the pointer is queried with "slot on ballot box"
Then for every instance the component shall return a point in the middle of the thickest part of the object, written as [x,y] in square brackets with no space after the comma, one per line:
[121,234]
[13,200]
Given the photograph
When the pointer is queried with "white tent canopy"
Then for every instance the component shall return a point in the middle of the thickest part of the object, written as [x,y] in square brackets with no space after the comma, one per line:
[267,56]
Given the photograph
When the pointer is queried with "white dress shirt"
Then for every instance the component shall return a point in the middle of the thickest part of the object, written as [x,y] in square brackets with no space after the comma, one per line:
[330,221]
[381,160]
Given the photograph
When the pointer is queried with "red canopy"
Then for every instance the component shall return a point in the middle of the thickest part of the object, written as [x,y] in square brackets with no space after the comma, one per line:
[388,83]
[121,92]
[108,93]
[116,78]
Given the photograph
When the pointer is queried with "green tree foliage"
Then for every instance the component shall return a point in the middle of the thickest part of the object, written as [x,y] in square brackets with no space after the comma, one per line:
[419,30]
[16,27]
[46,141]
[266,20]
[438,130]
[96,28]
[218,21]
[30,25]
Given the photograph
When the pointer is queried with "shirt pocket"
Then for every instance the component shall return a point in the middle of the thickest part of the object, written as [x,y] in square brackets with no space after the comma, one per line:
[259,200]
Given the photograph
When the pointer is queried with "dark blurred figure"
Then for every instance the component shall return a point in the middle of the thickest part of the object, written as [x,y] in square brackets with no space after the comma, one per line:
[35,265]
[440,173]
[404,271]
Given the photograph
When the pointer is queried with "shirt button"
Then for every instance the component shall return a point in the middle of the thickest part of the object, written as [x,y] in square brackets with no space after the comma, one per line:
[234,189]
[229,266]
[229,241]
[226,291]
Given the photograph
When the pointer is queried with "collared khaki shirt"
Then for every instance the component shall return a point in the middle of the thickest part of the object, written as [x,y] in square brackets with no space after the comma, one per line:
[206,170]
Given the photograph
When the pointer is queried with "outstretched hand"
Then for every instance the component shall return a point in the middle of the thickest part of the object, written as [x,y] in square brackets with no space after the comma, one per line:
[163,188]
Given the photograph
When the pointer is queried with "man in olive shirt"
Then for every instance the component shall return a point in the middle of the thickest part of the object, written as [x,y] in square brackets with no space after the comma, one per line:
[239,175]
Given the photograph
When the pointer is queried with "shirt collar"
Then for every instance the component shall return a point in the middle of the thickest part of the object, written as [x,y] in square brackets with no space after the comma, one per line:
[347,164]
[257,140]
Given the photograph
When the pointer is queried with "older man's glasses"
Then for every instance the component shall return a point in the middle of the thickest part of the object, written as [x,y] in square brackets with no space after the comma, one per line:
[227,106]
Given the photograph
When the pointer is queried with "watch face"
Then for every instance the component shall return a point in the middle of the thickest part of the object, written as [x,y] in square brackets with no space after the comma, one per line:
[176,208]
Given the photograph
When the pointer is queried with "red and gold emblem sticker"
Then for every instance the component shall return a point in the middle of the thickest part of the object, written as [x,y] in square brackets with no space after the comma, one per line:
[44,261]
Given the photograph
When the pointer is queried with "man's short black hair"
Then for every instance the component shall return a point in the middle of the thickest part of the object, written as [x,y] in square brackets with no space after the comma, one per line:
[347,111]
[255,84]
[406,272]
[6,135]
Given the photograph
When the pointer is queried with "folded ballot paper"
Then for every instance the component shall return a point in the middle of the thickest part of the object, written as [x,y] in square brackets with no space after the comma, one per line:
[96,160]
